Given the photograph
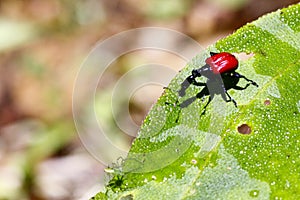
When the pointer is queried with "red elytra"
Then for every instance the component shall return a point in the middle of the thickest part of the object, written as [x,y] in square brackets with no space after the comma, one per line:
[222,63]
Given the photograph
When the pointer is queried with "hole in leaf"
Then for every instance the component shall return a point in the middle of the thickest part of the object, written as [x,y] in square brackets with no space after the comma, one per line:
[244,129]
[267,102]
[244,56]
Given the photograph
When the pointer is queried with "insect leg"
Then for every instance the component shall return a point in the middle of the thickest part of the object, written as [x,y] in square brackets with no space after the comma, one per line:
[209,100]
[202,93]
[240,88]
[191,80]
[230,98]
[187,102]
[242,76]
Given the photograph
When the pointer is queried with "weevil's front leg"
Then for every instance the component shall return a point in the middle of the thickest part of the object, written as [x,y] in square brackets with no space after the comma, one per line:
[190,80]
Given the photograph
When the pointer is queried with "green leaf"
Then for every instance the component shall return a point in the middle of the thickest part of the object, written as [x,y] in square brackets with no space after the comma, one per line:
[180,154]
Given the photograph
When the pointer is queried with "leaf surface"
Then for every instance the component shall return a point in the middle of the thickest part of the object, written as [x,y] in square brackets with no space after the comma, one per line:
[181,154]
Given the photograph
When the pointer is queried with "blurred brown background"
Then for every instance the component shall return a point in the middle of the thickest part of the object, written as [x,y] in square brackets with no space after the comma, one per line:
[43,43]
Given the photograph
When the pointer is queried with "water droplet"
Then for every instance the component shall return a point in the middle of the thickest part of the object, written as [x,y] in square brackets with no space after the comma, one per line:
[254,193]
[287,184]
[273,183]
[298,105]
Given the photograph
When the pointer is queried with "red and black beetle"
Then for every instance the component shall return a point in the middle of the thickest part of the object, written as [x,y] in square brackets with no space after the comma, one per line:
[222,62]
[221,76]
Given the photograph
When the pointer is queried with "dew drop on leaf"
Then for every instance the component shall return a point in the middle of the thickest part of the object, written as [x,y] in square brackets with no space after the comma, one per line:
[254,193]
